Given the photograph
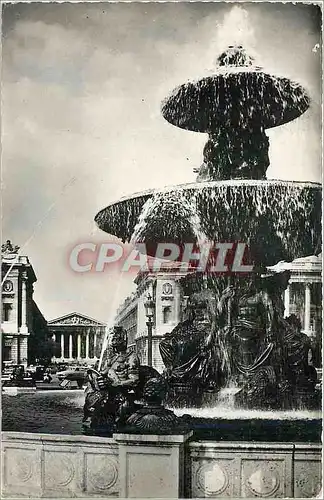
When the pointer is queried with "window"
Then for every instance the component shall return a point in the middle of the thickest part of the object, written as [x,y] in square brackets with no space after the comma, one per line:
[6,353]
[6,311]
[166,314]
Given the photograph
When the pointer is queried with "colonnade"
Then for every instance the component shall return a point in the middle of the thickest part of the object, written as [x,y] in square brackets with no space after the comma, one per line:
[307,304]
[61,339]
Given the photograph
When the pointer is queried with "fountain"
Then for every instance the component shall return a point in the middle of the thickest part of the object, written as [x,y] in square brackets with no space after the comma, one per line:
[242,350]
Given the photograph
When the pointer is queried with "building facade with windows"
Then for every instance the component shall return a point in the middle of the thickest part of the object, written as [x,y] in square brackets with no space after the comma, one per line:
[23,327]
[165,290]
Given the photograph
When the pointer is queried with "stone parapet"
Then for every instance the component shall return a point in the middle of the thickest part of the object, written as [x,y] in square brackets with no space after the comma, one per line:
[156,466]
[264,470]
[58,466]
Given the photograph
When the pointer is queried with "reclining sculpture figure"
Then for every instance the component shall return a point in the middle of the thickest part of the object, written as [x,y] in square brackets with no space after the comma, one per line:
[113,393]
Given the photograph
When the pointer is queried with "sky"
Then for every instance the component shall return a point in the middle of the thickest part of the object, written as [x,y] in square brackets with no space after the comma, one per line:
[82,85]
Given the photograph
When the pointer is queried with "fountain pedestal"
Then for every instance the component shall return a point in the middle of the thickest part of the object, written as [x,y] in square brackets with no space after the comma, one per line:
[151,466]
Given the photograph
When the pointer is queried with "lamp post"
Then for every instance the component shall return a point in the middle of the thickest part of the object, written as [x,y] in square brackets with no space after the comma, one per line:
[149,311]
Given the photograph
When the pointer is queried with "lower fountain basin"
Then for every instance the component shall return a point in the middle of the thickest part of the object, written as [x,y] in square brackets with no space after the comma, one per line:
[59,412]
[278,220]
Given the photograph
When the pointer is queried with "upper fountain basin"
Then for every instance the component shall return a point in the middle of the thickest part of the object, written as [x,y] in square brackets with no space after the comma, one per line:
[237,96]
[278,220]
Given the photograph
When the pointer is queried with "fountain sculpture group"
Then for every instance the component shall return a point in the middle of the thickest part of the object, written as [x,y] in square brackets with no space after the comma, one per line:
[235,335]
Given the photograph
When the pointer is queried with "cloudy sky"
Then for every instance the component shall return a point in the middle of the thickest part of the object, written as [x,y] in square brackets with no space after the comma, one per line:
[82,87]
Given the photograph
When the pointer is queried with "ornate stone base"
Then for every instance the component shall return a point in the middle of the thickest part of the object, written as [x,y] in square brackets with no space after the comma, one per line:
[152,466]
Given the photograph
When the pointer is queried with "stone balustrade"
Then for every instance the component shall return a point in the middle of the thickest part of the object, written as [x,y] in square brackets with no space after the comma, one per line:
[61,466]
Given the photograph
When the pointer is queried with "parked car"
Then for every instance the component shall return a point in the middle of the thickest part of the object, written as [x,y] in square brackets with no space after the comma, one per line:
[73,373]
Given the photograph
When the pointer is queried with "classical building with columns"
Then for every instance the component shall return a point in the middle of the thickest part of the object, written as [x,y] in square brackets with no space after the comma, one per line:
[22,324]
[303,298]
[77,337]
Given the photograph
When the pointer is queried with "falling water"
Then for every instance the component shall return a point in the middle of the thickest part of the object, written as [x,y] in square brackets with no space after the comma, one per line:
[280,220]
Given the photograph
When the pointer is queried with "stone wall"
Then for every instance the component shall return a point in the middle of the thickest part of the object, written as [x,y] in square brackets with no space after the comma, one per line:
[240,470]
[57,466]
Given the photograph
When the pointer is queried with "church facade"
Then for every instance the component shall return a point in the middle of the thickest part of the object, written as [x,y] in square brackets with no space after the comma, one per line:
[78,338]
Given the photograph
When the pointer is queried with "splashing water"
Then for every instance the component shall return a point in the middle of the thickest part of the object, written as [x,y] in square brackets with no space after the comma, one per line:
[172,218]
[278,220]
[228,413]
[235,107]
[236,29]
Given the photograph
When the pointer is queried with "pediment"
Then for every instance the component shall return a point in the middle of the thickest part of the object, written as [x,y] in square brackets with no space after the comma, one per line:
[75,319]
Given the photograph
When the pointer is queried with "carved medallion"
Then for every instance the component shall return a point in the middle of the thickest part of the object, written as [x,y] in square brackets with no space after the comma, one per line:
[24,468]
[212,479]
[308,480]
[104,475]
[263,482]
[8,286]
[59,470]
[167,288]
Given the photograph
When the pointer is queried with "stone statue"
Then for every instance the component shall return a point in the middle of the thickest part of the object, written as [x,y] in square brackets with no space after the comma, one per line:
[112,393]
[251,342]
[189,354]
[302,374]
[9,248]
[241,340]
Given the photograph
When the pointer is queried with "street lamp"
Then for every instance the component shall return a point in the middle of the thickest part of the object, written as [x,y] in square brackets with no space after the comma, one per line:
[149,312]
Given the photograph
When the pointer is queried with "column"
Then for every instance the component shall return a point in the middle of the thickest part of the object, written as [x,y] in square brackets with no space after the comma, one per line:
[70,346]
[79,346]
[14,350]
[87,346]
[307,308]
[95,345]
[23,350]
[14,313]
[23,327]
[54,342]
[287,301]
[62,345]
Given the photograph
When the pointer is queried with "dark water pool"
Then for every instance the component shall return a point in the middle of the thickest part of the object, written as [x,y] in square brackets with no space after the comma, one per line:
[52,412]
[60,412]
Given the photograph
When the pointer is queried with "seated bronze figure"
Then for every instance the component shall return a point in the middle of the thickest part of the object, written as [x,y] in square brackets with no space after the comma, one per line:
[114,393]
